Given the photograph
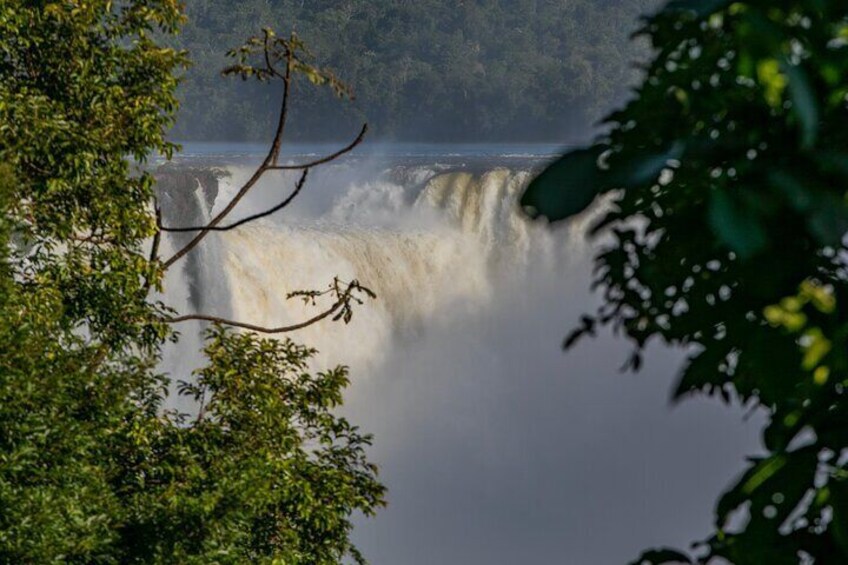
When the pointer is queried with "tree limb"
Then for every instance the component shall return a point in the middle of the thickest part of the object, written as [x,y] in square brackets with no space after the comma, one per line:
[343,303]
[281,124]
[331,157]
[267,165]
[154,247]
[251,218]
[270,159]
[157,237]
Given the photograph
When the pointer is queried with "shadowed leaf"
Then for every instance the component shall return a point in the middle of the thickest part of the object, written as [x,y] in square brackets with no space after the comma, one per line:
[736,225]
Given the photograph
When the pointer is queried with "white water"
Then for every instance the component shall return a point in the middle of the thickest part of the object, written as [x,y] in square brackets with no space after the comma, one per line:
[497,448]
[432,245]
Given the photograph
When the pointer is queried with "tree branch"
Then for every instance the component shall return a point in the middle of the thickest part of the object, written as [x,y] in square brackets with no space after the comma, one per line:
[251,218]
[157,237]
[154,247]
[270,159]
[343,304]
[263,168]
[331,157]
[281,124]
[255,328]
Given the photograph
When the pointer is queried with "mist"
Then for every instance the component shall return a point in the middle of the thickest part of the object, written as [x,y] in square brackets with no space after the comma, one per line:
[497,447]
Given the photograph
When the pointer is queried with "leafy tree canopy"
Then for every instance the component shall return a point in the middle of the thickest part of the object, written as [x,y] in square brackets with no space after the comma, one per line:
[725,185]
[93,468]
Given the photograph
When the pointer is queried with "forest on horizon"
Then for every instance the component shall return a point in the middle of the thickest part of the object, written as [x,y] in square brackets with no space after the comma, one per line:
[423,70]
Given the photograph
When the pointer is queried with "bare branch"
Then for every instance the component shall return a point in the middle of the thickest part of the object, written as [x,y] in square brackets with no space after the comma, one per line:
[281,124]
[157,237]
[341,308]
[154,248]
[216,220]
[255,328]
[248,219]
[331,157]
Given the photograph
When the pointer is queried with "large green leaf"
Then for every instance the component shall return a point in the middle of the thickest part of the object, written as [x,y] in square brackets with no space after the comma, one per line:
[829,220]
[837,492]
[736,225]
[700,8]
[661,557]
[804,104]
[567,187]
[787,474]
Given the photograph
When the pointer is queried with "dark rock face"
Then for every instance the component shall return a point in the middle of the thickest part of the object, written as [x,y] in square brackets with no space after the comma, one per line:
[186,196]
[176,188]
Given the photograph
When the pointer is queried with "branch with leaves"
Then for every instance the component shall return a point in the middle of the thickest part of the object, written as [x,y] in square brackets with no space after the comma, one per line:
[346,295]
[271,52]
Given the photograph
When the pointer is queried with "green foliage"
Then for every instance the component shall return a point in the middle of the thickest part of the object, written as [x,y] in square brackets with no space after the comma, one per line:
[423,70]
[734,247]
[264,474]
[285,58]
[93,469]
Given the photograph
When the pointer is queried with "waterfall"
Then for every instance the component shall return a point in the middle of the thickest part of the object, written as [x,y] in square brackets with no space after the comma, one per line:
[430,243]
[496,447]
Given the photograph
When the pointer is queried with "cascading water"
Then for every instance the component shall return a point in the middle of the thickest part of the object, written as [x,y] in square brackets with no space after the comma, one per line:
[496,447]
[429,243]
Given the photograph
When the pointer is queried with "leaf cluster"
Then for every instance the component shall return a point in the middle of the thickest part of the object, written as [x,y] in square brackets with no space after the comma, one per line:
[272,53]
[94,468]
[724,187]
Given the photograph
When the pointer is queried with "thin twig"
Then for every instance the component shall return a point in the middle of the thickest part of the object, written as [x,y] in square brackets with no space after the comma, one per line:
[270,162]
[263,168]
[328,158]
[251,218]
[345,297]
[261,329]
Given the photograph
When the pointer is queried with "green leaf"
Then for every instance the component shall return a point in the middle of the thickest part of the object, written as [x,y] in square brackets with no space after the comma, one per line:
[700,372]
[736,225]
[660,556]
[804,104]
[787,474]
[700,8]
[829,220]
[567,187]
[796,191]
[838,491]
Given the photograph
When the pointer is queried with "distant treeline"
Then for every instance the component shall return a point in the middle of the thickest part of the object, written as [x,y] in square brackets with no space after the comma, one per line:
[423,70]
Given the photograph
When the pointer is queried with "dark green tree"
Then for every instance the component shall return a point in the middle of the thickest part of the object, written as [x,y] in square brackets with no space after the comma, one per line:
[506,70]
[724,184]
[93,468]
